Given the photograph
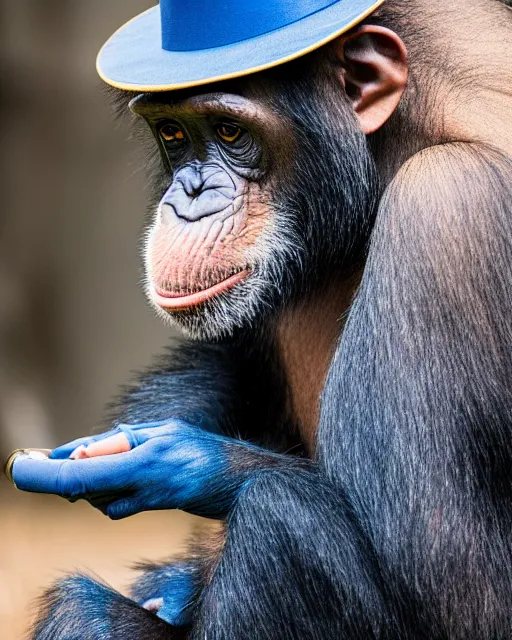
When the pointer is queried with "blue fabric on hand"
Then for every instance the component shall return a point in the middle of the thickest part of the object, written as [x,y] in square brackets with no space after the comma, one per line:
[172,466]
[65,450]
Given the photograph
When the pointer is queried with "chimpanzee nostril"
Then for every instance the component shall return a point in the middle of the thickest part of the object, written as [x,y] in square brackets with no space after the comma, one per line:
[193,190]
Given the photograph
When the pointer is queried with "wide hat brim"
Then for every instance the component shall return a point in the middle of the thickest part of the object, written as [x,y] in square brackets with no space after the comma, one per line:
[133,58]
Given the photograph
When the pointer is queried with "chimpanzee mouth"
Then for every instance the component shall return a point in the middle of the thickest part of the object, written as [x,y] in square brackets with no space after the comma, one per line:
[173,300]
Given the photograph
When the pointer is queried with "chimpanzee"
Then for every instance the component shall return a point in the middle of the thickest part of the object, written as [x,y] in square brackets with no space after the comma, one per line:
[334,236]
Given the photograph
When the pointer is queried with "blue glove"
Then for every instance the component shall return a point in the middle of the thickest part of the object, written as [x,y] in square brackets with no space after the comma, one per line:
[172,465]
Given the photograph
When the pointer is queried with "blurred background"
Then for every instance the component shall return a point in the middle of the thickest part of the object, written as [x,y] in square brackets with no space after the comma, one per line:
[73,321]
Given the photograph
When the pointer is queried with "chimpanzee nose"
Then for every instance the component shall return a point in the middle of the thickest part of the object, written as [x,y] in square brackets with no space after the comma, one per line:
[192,180]
[198,191]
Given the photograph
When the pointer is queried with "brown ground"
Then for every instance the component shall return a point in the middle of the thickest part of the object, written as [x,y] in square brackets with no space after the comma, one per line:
[43,536]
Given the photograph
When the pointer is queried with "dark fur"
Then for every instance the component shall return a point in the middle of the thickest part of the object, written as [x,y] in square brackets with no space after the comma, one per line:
[434,339]
[402,528]
[78,608]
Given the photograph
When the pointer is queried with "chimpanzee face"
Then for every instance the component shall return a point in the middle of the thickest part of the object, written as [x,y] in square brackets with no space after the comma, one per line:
[204,250]
[236,234]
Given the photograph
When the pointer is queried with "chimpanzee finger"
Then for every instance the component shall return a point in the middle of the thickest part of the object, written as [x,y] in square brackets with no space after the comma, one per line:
[73,478]
[123,508]
[103,501]
[65,450]
[115,444]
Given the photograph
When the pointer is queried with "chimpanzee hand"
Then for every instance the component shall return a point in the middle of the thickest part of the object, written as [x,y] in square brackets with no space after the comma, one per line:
[171,465]
[171,591]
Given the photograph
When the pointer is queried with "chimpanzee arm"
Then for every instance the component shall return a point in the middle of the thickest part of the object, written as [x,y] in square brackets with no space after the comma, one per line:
[171,465]
[297,565]
[166,465]
[420,393]
[416,432]
[216,388]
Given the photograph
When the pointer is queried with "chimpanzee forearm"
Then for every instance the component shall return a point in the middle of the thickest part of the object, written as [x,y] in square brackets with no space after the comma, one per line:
[169,465]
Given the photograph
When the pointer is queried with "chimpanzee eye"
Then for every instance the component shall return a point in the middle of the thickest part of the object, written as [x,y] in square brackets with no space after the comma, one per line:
[171,132]
[228,132]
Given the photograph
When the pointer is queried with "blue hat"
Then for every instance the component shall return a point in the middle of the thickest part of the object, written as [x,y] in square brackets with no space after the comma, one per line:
[185,43]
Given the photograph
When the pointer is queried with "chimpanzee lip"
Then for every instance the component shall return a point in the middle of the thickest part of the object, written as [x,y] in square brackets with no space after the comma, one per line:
[174,300]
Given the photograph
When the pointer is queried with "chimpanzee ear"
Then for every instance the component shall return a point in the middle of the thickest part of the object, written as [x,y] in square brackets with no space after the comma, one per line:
[375,73]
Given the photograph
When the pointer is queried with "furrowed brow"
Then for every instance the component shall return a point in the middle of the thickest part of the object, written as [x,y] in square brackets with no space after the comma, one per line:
[223,105]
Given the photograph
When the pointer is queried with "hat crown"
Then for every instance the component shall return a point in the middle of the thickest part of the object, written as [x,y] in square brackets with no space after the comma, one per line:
[192,25]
